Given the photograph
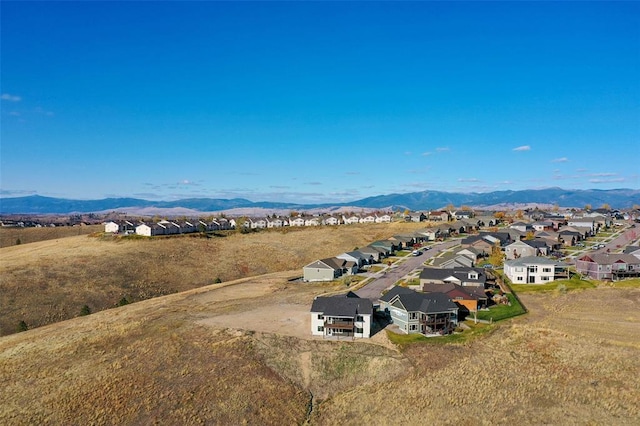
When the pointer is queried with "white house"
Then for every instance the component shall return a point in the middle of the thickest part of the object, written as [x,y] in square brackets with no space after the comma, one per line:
[341,316]
[296,221]
[385,218]
[534,270]
[111,227]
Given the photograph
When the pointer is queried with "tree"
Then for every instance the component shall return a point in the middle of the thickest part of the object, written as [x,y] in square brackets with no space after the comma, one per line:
[85,310]
[519,214]
[606,206]
[18,241]
[556,208]
[499,215]
[121,302]
[22,326]
[530,235]
[587,207]
[496,256]
[466,209]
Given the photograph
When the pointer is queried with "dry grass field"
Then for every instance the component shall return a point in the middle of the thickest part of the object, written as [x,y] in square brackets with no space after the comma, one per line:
[49,281]
[241,352]
[10,236]
[203,357]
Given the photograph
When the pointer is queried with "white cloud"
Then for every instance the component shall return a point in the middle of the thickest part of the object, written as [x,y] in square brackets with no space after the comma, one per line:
[10,98]
[468,180]
[560,160]
[425,154]
[607,180]
[603,174]
[443,149]
[522,148]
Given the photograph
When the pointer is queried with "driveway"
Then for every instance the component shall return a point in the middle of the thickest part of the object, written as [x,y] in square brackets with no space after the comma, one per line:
[388,276]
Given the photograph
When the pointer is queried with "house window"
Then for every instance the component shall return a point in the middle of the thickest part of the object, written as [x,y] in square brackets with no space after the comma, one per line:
[413,315]
[519,278]
[533,268]
[359,318]
[546,269]
[320,328]
[413,327]
[359,330]
[320,317]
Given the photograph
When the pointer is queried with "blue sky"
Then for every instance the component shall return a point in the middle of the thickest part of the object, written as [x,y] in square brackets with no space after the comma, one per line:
[317,101]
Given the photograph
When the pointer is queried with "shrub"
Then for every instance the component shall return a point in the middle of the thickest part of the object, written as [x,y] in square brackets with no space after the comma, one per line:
[85,310]
[217,281]
[22,326]
[123,301]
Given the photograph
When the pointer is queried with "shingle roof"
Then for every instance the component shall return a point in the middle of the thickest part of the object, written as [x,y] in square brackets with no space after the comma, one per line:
[534,260]
[342,305]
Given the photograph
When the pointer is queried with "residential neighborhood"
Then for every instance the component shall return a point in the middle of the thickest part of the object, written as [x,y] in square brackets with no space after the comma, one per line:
[473,274]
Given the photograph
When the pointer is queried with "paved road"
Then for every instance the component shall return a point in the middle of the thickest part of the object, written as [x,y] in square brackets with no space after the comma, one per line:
[614,245]
[388,276]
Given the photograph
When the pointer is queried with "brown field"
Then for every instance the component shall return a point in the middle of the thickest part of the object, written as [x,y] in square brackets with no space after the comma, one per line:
[9,236]
[49,281]
[241,352]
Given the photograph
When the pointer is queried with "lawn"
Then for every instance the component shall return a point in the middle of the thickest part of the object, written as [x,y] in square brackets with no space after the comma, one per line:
[501,312]
[475,330]
[575,283]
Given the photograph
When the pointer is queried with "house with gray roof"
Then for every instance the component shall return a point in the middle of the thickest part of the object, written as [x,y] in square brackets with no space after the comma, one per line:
[534,270]
[424,313]
[345,315]
[327,269]
[608,266]
[463,276]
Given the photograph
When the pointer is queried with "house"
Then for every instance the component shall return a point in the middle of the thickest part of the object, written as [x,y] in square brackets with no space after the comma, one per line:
[275,222]
[438,216]
[430,234]
[584,223]
[453,260]
[385,218]
[486,221]
[327,269]
[608,266]
[151,230]
[404,241]
[390,246]
[376,254]
[123,226]
[543,225]
[415,217]
[312,221]
[534,270]
[468,299]
[367,219]
[463,214]
[522,227]
[348,220]
[331,220]
[523,248]
[296,221]
[341,316]
[357,257]
[424,313]
[463,276]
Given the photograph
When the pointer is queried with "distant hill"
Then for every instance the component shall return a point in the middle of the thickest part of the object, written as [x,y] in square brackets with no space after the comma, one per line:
[425,200]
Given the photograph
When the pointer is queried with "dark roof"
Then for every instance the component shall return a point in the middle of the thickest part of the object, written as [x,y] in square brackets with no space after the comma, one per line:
[420,302]
[347,305]
[395,291]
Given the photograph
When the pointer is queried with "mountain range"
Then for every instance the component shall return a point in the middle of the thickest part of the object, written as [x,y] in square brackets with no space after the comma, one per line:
[425,200]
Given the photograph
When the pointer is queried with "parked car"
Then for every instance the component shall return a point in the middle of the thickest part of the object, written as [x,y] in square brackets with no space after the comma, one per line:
[416,253]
